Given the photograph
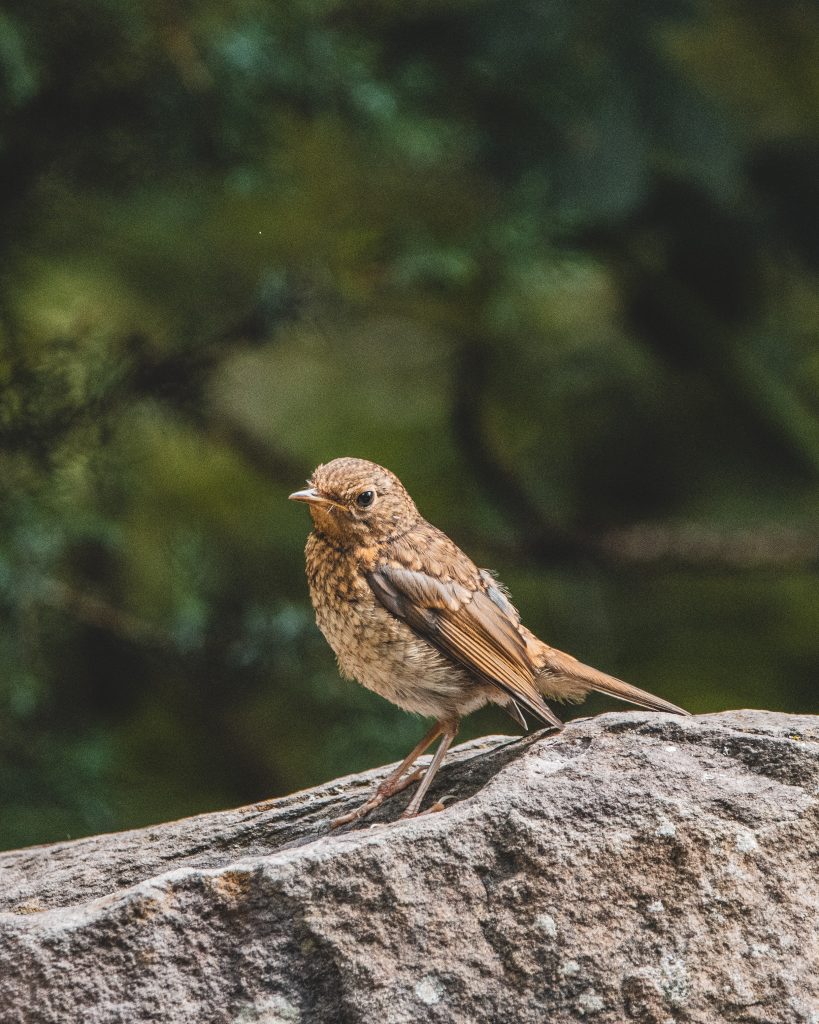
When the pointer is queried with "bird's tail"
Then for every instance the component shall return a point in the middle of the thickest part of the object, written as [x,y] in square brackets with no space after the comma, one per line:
[564,678]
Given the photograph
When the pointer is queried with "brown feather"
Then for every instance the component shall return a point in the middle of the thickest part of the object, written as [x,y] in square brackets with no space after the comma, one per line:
[468,626]
[564,675]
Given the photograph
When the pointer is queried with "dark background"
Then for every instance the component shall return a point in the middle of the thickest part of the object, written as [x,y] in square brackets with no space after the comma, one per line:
[554,263]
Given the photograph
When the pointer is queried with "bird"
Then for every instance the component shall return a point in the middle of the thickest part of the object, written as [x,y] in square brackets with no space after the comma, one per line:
[411,617]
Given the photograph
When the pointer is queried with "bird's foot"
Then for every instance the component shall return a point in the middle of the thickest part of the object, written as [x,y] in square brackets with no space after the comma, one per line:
[387,789]
[356,815]
[434,809]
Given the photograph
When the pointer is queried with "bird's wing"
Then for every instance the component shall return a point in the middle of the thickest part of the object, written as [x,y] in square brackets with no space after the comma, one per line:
[467,625]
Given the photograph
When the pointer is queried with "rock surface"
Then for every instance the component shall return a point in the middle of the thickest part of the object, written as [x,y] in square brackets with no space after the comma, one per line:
[635,868]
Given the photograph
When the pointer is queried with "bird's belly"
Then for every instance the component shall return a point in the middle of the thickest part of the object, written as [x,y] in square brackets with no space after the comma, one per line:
[386,656]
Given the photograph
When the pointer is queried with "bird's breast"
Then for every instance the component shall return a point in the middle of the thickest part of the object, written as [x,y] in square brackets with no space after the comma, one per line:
[377,649]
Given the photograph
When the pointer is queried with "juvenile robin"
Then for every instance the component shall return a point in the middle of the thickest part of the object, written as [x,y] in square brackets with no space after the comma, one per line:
[411,617]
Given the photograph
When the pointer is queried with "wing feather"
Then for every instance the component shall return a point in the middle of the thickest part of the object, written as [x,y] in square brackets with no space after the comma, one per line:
[467,625]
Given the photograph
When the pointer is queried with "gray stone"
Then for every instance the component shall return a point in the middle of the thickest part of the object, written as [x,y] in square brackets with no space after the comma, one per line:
[636,867]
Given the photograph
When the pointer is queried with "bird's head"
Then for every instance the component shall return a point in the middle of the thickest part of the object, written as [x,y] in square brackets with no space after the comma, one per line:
[355,501]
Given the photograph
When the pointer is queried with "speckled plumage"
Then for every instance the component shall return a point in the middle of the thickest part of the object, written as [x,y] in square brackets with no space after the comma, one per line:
[373,646]
[412,618]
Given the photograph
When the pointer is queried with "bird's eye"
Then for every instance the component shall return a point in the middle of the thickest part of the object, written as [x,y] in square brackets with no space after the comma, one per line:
[365,499]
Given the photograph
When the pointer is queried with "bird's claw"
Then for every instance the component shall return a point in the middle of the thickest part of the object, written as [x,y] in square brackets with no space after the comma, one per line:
[356,815]
[434,809]
[384,792]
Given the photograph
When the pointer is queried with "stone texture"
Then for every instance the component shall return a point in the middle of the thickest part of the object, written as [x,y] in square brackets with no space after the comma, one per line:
[635,868]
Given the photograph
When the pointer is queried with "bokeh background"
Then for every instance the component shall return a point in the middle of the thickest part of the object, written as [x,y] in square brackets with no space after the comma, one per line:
[556,263]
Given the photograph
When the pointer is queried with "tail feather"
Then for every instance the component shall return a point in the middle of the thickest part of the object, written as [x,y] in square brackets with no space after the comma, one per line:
[565,678]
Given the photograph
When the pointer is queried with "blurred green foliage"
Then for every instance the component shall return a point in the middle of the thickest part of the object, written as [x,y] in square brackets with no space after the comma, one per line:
[555,263]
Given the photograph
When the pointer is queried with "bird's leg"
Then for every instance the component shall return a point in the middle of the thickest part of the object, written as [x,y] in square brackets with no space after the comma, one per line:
[394,782]
[450,731]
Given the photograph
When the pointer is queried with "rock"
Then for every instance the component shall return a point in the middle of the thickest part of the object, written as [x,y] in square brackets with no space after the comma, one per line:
[637,867]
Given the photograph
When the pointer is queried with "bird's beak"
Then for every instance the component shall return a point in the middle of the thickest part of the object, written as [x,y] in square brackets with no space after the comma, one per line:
[312,497]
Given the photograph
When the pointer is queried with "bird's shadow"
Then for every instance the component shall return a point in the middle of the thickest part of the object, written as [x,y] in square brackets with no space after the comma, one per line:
[465,772]
[293,821]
